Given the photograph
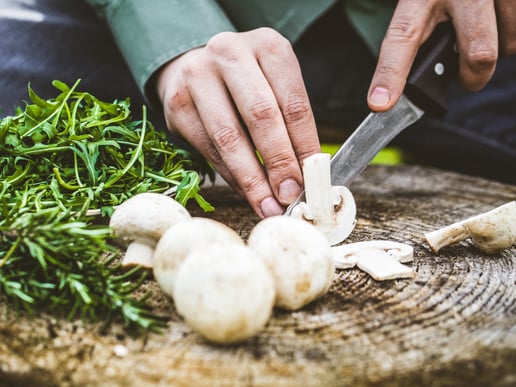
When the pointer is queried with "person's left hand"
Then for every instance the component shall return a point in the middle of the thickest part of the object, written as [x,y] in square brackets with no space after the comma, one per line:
[483,30]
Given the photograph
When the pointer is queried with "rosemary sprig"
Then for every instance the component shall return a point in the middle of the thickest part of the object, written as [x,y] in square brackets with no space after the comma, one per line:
[60,159]
[61,261]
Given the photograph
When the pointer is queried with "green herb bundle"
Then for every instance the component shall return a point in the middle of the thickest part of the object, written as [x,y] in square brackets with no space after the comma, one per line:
[60,160]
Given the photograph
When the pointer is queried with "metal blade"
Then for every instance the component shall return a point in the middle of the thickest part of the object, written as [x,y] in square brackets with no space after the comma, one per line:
[373,134]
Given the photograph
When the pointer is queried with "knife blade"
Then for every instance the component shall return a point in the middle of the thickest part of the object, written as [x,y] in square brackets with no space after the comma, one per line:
[434,65]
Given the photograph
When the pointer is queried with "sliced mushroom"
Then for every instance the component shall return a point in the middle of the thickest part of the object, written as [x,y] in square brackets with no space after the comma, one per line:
[491,231]
[382,266]
[299,257]
[141,220]
[224,292]
[330,208]
[180,240]
[345,256]
[381,259]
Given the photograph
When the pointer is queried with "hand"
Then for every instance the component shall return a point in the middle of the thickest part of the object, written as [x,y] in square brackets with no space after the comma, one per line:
[241,92]
[483,28]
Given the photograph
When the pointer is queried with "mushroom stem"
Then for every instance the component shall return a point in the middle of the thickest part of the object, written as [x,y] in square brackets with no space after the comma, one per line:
[318,188]
[448,235]
[138,253]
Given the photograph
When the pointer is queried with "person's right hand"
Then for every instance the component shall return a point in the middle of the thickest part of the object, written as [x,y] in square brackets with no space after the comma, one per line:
[241,92]
[484,31]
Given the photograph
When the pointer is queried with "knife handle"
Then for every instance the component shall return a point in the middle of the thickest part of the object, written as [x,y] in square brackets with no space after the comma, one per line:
[435,63]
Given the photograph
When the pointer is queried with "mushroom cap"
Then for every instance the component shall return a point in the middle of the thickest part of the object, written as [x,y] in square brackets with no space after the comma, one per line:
[224,292]
[299,257]
[494,230]
[146,216]
[181,239]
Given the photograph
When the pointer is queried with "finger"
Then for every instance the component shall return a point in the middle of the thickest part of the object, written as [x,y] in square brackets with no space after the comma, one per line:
[506,20]
[477,42]
[184,120]
[283,73]
[257,105]
[236,152]
[411,24]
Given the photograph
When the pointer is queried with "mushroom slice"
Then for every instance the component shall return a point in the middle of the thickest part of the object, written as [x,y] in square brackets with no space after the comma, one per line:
[141,220]
[330,208]
[381,259]
[345,255]
[381,266]
[491,231]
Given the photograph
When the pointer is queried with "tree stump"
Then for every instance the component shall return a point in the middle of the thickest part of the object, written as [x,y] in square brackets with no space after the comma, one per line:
[454,324]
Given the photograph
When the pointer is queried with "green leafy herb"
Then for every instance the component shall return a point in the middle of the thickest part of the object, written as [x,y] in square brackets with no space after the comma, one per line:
[61,159]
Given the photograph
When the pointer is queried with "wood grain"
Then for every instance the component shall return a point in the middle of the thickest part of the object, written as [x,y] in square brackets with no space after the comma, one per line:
[454,324]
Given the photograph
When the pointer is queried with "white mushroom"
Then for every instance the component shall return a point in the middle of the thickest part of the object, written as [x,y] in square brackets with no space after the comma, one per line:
[491,232]
[224,292]
[299,257]
[381,259]
[141,220]
[180,240]
[330,208]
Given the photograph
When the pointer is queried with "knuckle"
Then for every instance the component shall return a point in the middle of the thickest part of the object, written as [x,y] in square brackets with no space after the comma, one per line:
[303,154]
[273,42]
[252,184]
[192,69]
[402,31]
[387,71]
[221,42]
[263,111]
[227,138]
[177,101]
[297,112]
[224,45]
[280,162]
[482,58]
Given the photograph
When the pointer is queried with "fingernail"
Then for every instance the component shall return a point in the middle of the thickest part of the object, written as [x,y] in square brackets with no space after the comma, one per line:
[289,190]
[270,207]
[380,97]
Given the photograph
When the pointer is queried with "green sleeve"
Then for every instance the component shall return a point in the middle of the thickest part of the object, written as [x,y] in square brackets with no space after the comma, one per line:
[150,33]
[370,18]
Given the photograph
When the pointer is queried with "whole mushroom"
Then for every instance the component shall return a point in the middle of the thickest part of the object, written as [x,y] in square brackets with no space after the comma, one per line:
[330,208]
[224,292]
[141,220]
[180,240]
[299,257]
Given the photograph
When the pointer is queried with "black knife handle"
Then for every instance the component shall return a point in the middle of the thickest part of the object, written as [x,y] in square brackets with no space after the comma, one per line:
[435,63]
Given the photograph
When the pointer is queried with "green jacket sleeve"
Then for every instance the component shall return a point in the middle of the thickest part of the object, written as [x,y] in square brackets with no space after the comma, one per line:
[370,18]
[150,33]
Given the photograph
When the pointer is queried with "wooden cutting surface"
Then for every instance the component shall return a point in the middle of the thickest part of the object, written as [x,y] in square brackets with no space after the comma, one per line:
[454,324]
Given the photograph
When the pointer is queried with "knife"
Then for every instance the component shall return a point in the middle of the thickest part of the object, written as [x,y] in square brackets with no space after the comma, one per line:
[434,65]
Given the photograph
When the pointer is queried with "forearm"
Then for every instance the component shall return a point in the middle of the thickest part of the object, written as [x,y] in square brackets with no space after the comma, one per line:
[152,33]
